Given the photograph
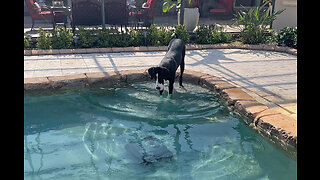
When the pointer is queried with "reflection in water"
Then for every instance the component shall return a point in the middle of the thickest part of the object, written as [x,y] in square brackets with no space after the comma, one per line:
[32,151]
[127,133]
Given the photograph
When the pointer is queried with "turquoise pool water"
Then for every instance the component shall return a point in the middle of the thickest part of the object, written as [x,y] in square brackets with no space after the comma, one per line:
[125,132]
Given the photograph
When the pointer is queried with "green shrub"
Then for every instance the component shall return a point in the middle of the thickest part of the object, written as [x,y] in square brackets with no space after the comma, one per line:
[288,37]
[44,40]
[203,34]
[272,37]
[181,33]
[165,35]
[86,38]
[118,39]
[255,22]
[103,37]
[136,38]
[211,35]
[26,43]
[159,36]
[225,37]
[62,38]
[153,35]
[124,39]
[111,38]
[252,34]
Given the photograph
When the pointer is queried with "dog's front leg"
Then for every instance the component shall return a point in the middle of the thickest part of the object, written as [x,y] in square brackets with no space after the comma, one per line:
[161,97]
[161,91]
[170,89]
[170,86]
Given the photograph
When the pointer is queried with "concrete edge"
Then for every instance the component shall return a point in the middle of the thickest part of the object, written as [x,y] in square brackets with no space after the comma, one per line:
[264,47]
[259,116]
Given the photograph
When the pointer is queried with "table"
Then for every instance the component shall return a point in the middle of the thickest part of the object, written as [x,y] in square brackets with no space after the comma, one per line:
[64,11]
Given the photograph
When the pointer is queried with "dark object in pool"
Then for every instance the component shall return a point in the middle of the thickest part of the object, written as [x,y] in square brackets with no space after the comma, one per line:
[149,150]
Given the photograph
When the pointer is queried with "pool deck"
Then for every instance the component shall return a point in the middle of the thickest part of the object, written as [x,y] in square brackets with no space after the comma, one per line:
[269,77]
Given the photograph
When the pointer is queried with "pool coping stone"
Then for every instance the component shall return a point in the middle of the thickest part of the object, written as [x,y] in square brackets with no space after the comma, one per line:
[267,121]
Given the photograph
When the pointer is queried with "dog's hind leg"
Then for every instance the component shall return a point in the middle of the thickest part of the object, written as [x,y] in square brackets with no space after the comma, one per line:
[181,73]
[182,67]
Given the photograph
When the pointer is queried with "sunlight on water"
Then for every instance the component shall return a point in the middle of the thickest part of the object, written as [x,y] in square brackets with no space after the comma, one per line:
[126,132]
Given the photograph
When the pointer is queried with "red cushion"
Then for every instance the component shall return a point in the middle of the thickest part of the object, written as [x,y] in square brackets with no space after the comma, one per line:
[138,14]
[219,10]
[45,12]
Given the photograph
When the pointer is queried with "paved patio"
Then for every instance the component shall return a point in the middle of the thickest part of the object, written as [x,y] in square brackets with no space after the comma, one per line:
[269,77]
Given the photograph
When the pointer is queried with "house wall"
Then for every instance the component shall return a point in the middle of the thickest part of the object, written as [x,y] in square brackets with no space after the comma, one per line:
[286,18]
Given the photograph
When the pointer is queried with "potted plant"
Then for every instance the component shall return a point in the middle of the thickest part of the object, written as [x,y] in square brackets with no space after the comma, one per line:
[191,12]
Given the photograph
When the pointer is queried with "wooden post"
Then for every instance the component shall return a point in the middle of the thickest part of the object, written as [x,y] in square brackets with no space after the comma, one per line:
[102,13]
[182,12]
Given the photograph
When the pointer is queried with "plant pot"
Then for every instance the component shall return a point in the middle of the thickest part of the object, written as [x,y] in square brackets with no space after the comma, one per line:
[191,18]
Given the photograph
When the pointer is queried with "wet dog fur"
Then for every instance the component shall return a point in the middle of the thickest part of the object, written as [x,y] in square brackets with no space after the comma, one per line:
[168,66]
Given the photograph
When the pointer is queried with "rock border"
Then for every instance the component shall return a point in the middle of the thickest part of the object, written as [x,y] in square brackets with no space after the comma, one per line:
[269,122]
[284,49]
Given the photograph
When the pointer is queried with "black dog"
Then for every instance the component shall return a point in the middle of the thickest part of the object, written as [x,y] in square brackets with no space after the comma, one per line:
[169,65]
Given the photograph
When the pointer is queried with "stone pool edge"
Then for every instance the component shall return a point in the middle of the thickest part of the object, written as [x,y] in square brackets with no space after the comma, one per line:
[277,126]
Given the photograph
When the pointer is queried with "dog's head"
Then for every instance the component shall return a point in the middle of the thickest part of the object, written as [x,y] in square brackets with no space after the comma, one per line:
[155,73]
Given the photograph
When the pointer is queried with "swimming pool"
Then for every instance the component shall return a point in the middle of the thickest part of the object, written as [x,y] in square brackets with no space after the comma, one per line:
[126,132]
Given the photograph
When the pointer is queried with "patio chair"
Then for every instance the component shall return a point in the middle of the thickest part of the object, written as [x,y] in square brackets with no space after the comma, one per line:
[116,12]
[225,6]
[39,13]
[145,13]
[86,13]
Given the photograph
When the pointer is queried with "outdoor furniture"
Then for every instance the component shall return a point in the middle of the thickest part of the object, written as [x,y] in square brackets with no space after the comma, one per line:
[225,6]
[116,12]
[37,12]
[137,5]
[134,9]
[144,14]
[86,13]
[61,13]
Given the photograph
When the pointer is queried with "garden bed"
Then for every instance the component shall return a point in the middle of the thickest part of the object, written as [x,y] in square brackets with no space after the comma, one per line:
[63,38]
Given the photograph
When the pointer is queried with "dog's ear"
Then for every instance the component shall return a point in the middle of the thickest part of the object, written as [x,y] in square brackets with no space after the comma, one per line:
[163,70]
[152,73]
[163,73]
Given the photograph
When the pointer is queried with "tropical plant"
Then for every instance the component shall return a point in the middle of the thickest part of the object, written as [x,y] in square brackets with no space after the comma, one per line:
[168,4]
[254,23]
